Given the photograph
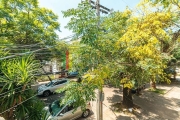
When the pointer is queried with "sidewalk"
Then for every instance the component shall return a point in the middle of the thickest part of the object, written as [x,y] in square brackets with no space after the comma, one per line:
[153,106]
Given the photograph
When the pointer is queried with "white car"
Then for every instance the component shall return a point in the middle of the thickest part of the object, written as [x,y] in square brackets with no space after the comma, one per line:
[52,86]
[66,112]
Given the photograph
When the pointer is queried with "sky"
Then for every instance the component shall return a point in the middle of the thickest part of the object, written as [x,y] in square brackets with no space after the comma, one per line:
[62,5]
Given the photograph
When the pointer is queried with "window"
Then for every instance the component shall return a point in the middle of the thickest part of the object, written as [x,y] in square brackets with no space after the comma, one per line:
[67,109]
[63,81]
[56,83]
[60,82]
[64,110]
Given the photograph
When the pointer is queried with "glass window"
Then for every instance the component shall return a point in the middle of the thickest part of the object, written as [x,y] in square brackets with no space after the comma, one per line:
[55,107]
[49,84]
[64,110]
[63,81]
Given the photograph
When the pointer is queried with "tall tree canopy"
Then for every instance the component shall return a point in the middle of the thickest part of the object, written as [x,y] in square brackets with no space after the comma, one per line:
[24,22]
[131,43]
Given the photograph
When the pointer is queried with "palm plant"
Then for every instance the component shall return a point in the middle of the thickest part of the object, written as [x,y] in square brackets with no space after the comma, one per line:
[17,75]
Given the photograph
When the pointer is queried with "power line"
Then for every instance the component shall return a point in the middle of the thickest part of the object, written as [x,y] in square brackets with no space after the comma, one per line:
[13,89]
[100,7]
[14,92]
[67,37]
[18,104]
[38,53]
[21,54]
[33,45]
[20,45]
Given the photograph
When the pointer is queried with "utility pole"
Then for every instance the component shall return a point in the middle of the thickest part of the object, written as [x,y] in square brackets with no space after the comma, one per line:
[99,104]
[100,95]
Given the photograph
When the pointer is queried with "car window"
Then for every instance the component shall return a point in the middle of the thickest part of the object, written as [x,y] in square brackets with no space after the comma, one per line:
[64,110]
[56,83]
[63,81]
[67,109]
[49,84]
[55,107]
[60,82]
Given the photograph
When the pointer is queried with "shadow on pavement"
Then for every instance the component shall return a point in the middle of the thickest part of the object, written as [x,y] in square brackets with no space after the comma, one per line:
[153,106]
[124,118]
[114,98]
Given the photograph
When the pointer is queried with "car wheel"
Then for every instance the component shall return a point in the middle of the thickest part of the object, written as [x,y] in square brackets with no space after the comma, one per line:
[86,113]
[46,93]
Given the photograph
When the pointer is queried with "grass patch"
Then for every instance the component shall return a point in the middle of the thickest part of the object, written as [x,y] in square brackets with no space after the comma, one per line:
[159,91]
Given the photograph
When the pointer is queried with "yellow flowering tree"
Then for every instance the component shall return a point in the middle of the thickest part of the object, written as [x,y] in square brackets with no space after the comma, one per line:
[132,45]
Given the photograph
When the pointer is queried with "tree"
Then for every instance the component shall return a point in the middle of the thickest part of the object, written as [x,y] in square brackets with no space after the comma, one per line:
[128,43]
[170,43]
[83,22]
[27,23]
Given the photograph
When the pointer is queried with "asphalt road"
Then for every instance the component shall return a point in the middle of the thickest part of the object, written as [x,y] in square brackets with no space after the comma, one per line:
[48,100]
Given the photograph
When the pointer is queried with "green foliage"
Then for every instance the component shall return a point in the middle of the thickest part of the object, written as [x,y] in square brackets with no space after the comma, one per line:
[83,22]
[24,22]
[165,3]
[81,93]
[18,73]
[176,53]
[84,57]
[20,70]
[35,110]
[136,45]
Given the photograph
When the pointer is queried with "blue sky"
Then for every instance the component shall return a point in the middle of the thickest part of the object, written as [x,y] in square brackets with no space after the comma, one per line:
[61,5]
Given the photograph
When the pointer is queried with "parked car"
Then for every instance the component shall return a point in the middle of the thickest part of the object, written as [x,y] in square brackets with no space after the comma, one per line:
[72,74]
[66,112]
[52,86]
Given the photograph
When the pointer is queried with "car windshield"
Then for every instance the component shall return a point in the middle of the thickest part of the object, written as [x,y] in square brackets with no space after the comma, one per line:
[49,84]
[55,107]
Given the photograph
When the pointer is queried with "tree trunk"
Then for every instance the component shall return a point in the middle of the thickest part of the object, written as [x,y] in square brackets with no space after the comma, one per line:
[174,76]
[127,98]
[153,84]
[11,112]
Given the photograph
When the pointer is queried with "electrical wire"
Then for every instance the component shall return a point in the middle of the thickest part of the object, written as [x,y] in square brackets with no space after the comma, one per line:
[19,45]
[21,54]
[38,53]
[33,45]
[13,89]
[9,91]
[18,104]
[15,92]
